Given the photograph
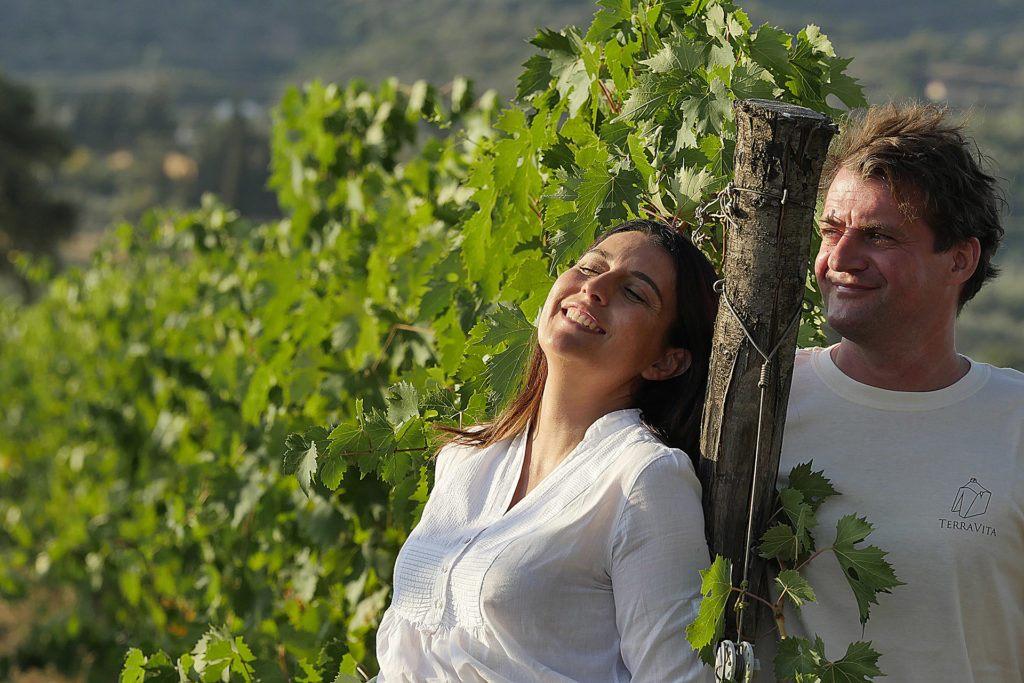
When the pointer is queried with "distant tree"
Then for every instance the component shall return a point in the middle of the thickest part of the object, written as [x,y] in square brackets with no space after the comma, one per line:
[31,220]
[118,118]
[234,162]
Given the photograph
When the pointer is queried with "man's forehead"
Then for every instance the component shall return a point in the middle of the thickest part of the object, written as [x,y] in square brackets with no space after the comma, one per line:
[905,197]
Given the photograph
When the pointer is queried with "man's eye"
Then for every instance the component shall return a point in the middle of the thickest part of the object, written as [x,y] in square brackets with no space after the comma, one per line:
[586,270]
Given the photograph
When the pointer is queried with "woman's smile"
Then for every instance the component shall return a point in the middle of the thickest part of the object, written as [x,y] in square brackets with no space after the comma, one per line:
[583,319]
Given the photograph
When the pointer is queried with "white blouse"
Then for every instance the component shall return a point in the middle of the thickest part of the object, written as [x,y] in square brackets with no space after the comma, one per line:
[592,576]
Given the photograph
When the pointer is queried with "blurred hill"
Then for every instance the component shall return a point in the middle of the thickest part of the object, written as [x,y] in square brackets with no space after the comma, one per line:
[168,100]
[249,49]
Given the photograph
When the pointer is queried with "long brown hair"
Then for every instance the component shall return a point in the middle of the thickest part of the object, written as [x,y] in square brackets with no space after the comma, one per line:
[670,408]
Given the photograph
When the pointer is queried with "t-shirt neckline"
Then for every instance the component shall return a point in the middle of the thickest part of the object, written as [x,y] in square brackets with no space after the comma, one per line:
[902,401]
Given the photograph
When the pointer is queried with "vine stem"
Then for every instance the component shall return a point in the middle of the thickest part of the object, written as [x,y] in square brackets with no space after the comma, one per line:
[245,669]
[536,209]
[807,561]
[616,108]
[777,608]
[283,661]
[391,336]
[748,594]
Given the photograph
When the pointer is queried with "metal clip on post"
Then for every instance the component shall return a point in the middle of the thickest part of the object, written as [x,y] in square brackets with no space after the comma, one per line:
[735,662]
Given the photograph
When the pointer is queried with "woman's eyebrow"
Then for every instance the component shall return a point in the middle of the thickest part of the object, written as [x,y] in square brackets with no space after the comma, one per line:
[639,274]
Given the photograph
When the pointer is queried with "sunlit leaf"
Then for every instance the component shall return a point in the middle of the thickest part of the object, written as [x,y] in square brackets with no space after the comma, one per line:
[716,586]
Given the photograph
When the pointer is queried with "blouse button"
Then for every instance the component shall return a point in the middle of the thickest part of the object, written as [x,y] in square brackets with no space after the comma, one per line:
[438,604]
[444,569]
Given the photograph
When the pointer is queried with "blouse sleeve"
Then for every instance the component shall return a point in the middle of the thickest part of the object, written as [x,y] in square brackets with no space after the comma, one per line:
[657,553]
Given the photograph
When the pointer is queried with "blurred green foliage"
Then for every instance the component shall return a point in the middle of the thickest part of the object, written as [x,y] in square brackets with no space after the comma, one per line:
[154,400]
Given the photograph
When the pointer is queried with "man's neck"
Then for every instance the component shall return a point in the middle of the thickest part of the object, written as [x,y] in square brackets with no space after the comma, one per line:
[903,368]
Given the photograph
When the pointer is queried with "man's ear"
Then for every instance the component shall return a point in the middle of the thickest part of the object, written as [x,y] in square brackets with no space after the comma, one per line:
[673,363]
[965,255]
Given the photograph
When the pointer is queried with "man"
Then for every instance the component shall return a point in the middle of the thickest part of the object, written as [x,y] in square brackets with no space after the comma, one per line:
[924,442]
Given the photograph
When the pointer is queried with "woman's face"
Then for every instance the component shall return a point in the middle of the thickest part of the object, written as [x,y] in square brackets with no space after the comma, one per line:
[610,314]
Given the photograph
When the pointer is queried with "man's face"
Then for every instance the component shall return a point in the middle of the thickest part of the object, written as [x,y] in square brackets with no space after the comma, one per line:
[879,274]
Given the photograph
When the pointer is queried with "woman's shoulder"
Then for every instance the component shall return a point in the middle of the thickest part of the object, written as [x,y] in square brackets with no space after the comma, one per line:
[640,454]
[456,454]
[450,455]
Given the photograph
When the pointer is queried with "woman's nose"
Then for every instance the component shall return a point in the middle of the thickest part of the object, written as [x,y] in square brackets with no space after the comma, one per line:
[596,288]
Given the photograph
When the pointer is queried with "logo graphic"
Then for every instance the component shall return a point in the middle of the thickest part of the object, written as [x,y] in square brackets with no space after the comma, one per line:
[971,500]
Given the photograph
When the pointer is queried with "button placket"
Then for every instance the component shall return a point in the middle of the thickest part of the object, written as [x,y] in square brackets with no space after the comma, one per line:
[444,577]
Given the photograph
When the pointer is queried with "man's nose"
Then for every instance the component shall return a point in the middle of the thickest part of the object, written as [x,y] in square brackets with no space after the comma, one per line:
[847,253]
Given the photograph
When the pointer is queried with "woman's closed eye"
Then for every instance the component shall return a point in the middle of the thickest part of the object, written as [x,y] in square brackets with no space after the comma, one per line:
[635,295]
[631,291]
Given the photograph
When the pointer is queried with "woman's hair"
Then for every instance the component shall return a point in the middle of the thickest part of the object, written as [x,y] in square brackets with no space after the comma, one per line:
[670,408]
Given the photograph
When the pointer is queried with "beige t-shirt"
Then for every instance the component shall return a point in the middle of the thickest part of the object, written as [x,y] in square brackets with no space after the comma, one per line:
[940,475]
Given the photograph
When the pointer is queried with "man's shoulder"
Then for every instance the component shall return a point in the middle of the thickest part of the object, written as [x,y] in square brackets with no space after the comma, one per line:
[806,358]
[1002,380]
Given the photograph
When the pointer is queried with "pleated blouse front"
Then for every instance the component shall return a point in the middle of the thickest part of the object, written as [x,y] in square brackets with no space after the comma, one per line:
[592,576]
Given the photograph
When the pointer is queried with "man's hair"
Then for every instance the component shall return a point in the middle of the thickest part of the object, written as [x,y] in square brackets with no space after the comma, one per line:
[933,172]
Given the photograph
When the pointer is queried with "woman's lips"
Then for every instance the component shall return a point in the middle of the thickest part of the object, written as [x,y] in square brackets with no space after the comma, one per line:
[583,319]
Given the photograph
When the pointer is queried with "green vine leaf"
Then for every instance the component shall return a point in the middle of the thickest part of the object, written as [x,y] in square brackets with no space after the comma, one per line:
[865,569]
[506,327]
[380,433]
[706,110]
[780,542]
[441,404]
[769,47]
[799,660]
[716,585]
[652,93]
[678,54]
[847,89]
[753,81]
[815,487]
[403,403]
[218,652]
[535,78]
[801,516]
[858,665]
[301,456]
[794,587]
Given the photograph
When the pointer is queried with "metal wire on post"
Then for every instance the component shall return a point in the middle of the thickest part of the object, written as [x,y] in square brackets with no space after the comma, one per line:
[762,384]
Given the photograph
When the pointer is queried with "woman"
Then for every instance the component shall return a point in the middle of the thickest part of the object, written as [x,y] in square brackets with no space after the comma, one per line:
[562,541]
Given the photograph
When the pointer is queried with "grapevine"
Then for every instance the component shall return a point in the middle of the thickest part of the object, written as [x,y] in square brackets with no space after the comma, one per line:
[217,435]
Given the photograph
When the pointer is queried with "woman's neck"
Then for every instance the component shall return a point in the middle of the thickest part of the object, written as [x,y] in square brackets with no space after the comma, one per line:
[563,418]
[569,405]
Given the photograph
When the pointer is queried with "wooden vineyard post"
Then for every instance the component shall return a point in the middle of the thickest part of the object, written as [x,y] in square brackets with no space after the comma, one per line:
[768,218]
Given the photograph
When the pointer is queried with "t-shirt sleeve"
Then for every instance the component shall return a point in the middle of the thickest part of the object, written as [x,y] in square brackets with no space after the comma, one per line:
[657,553]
